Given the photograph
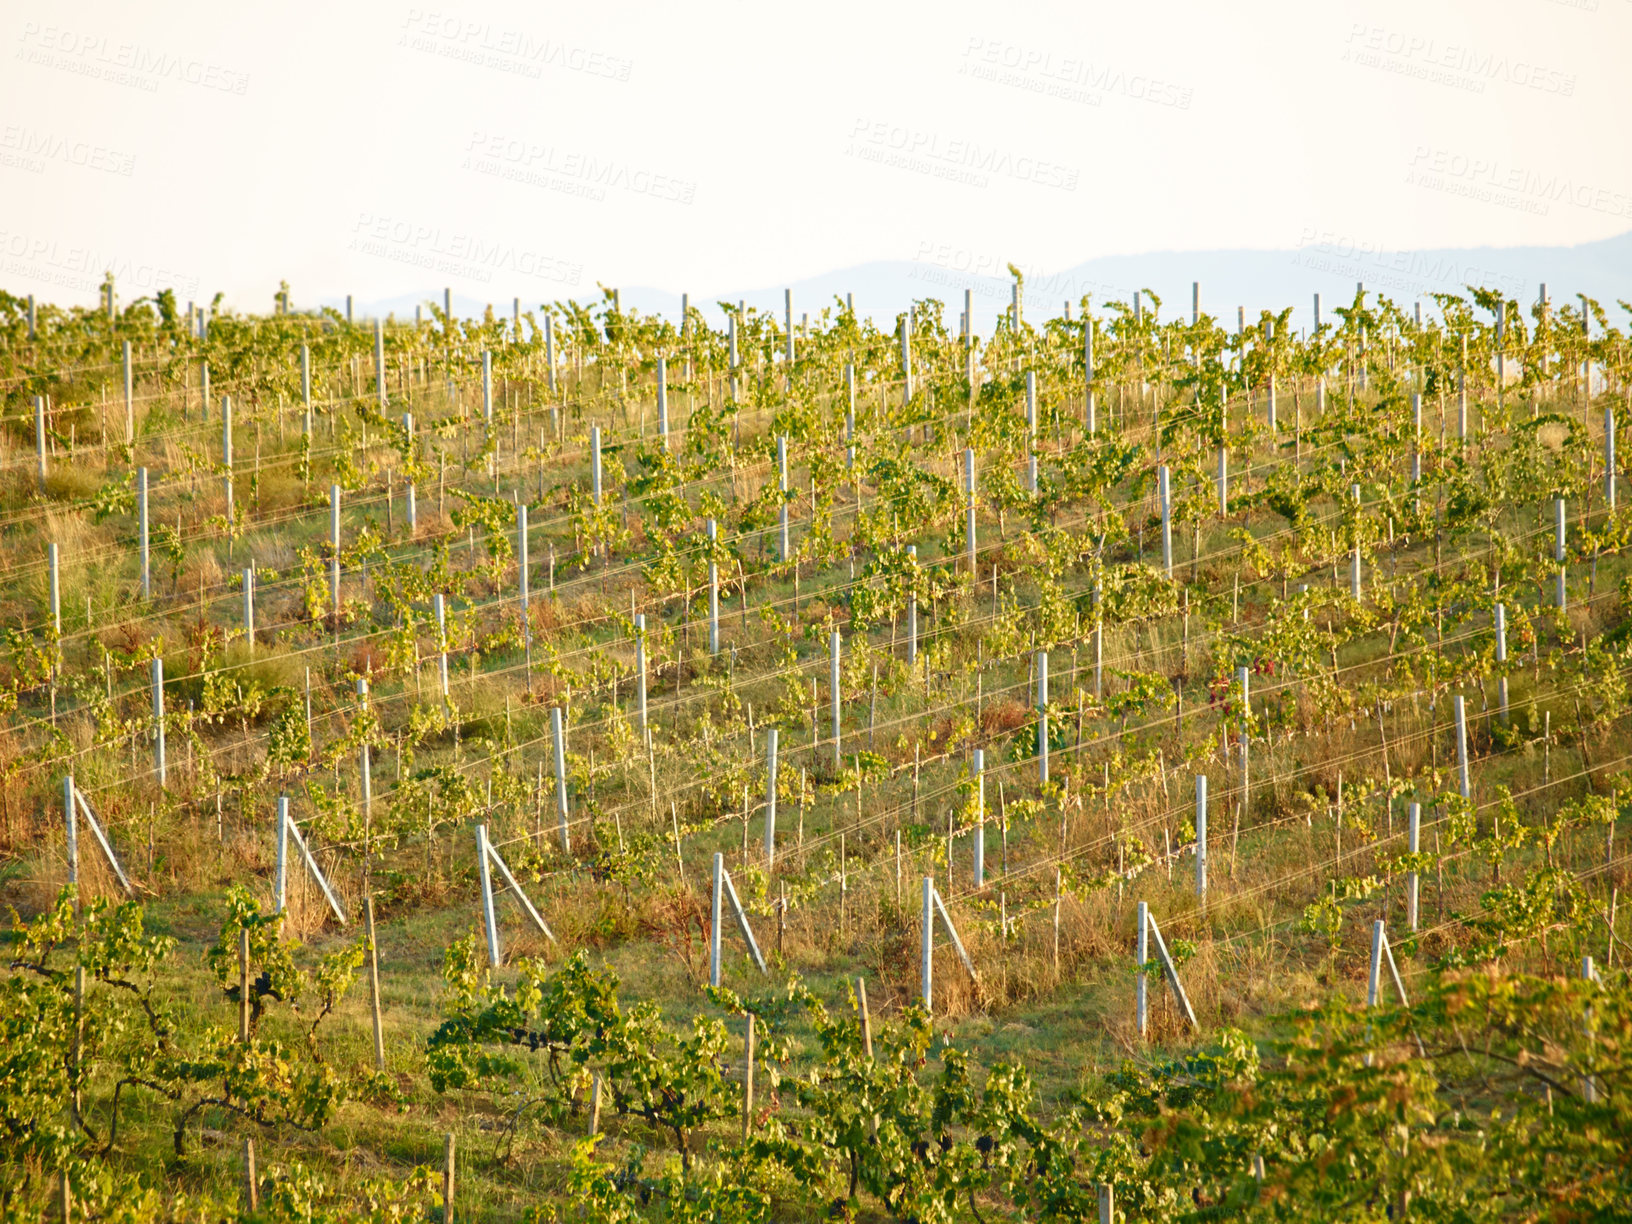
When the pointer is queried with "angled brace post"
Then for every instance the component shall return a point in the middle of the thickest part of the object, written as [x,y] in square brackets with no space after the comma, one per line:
[742,922]
[1394,971]
[287,828]
[1172,972]
[1382,951]
[724,891]
[71,827]
[488,918]
[510,881]
[952,931]
[102,840]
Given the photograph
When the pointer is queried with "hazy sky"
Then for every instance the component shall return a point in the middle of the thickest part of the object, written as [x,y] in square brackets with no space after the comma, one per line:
[383,148]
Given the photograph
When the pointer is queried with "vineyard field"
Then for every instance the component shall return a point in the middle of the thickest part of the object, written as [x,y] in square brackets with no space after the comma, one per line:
[577,764]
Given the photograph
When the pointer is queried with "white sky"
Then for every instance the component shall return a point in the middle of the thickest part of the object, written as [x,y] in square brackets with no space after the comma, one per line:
[355,147]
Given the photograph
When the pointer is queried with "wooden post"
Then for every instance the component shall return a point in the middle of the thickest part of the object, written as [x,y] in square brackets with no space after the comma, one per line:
[713,592]
[872,709]
[906,356]
[714,920]
[1089,421]
[447,1181]
[1609,457]
[844,889]
[306,390]
[770,797]
[1462,745]
[1042,716]
[595,1105]
[1056,921]
[1414,817]
[782,487]
[1141,988]
[226,452]
[411,501]
[680,862]
[71,827]
[1501,661]
[898,868]
[640,676]
[915,763]
[334,556]
[53,556]
[558,732]
[489,918]
[374,985]
[157,669]
[978,772]
[141,532]
[249,609]
[833,684]
[926,960]
[487,393]
[595,462]
[1589,1084]
[1201,838]
[243,985]
[1546,741]
[969,487]
[748,1079]
[866,1019]
[663,401]
[252,1188]
[1245,805]
[1164,496]
[39,436]
[522,590]
[912,622]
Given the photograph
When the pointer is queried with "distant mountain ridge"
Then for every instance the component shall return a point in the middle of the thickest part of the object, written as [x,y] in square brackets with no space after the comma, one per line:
[1256,280]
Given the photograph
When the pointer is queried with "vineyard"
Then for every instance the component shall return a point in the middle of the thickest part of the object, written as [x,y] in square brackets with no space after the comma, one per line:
[579,764]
